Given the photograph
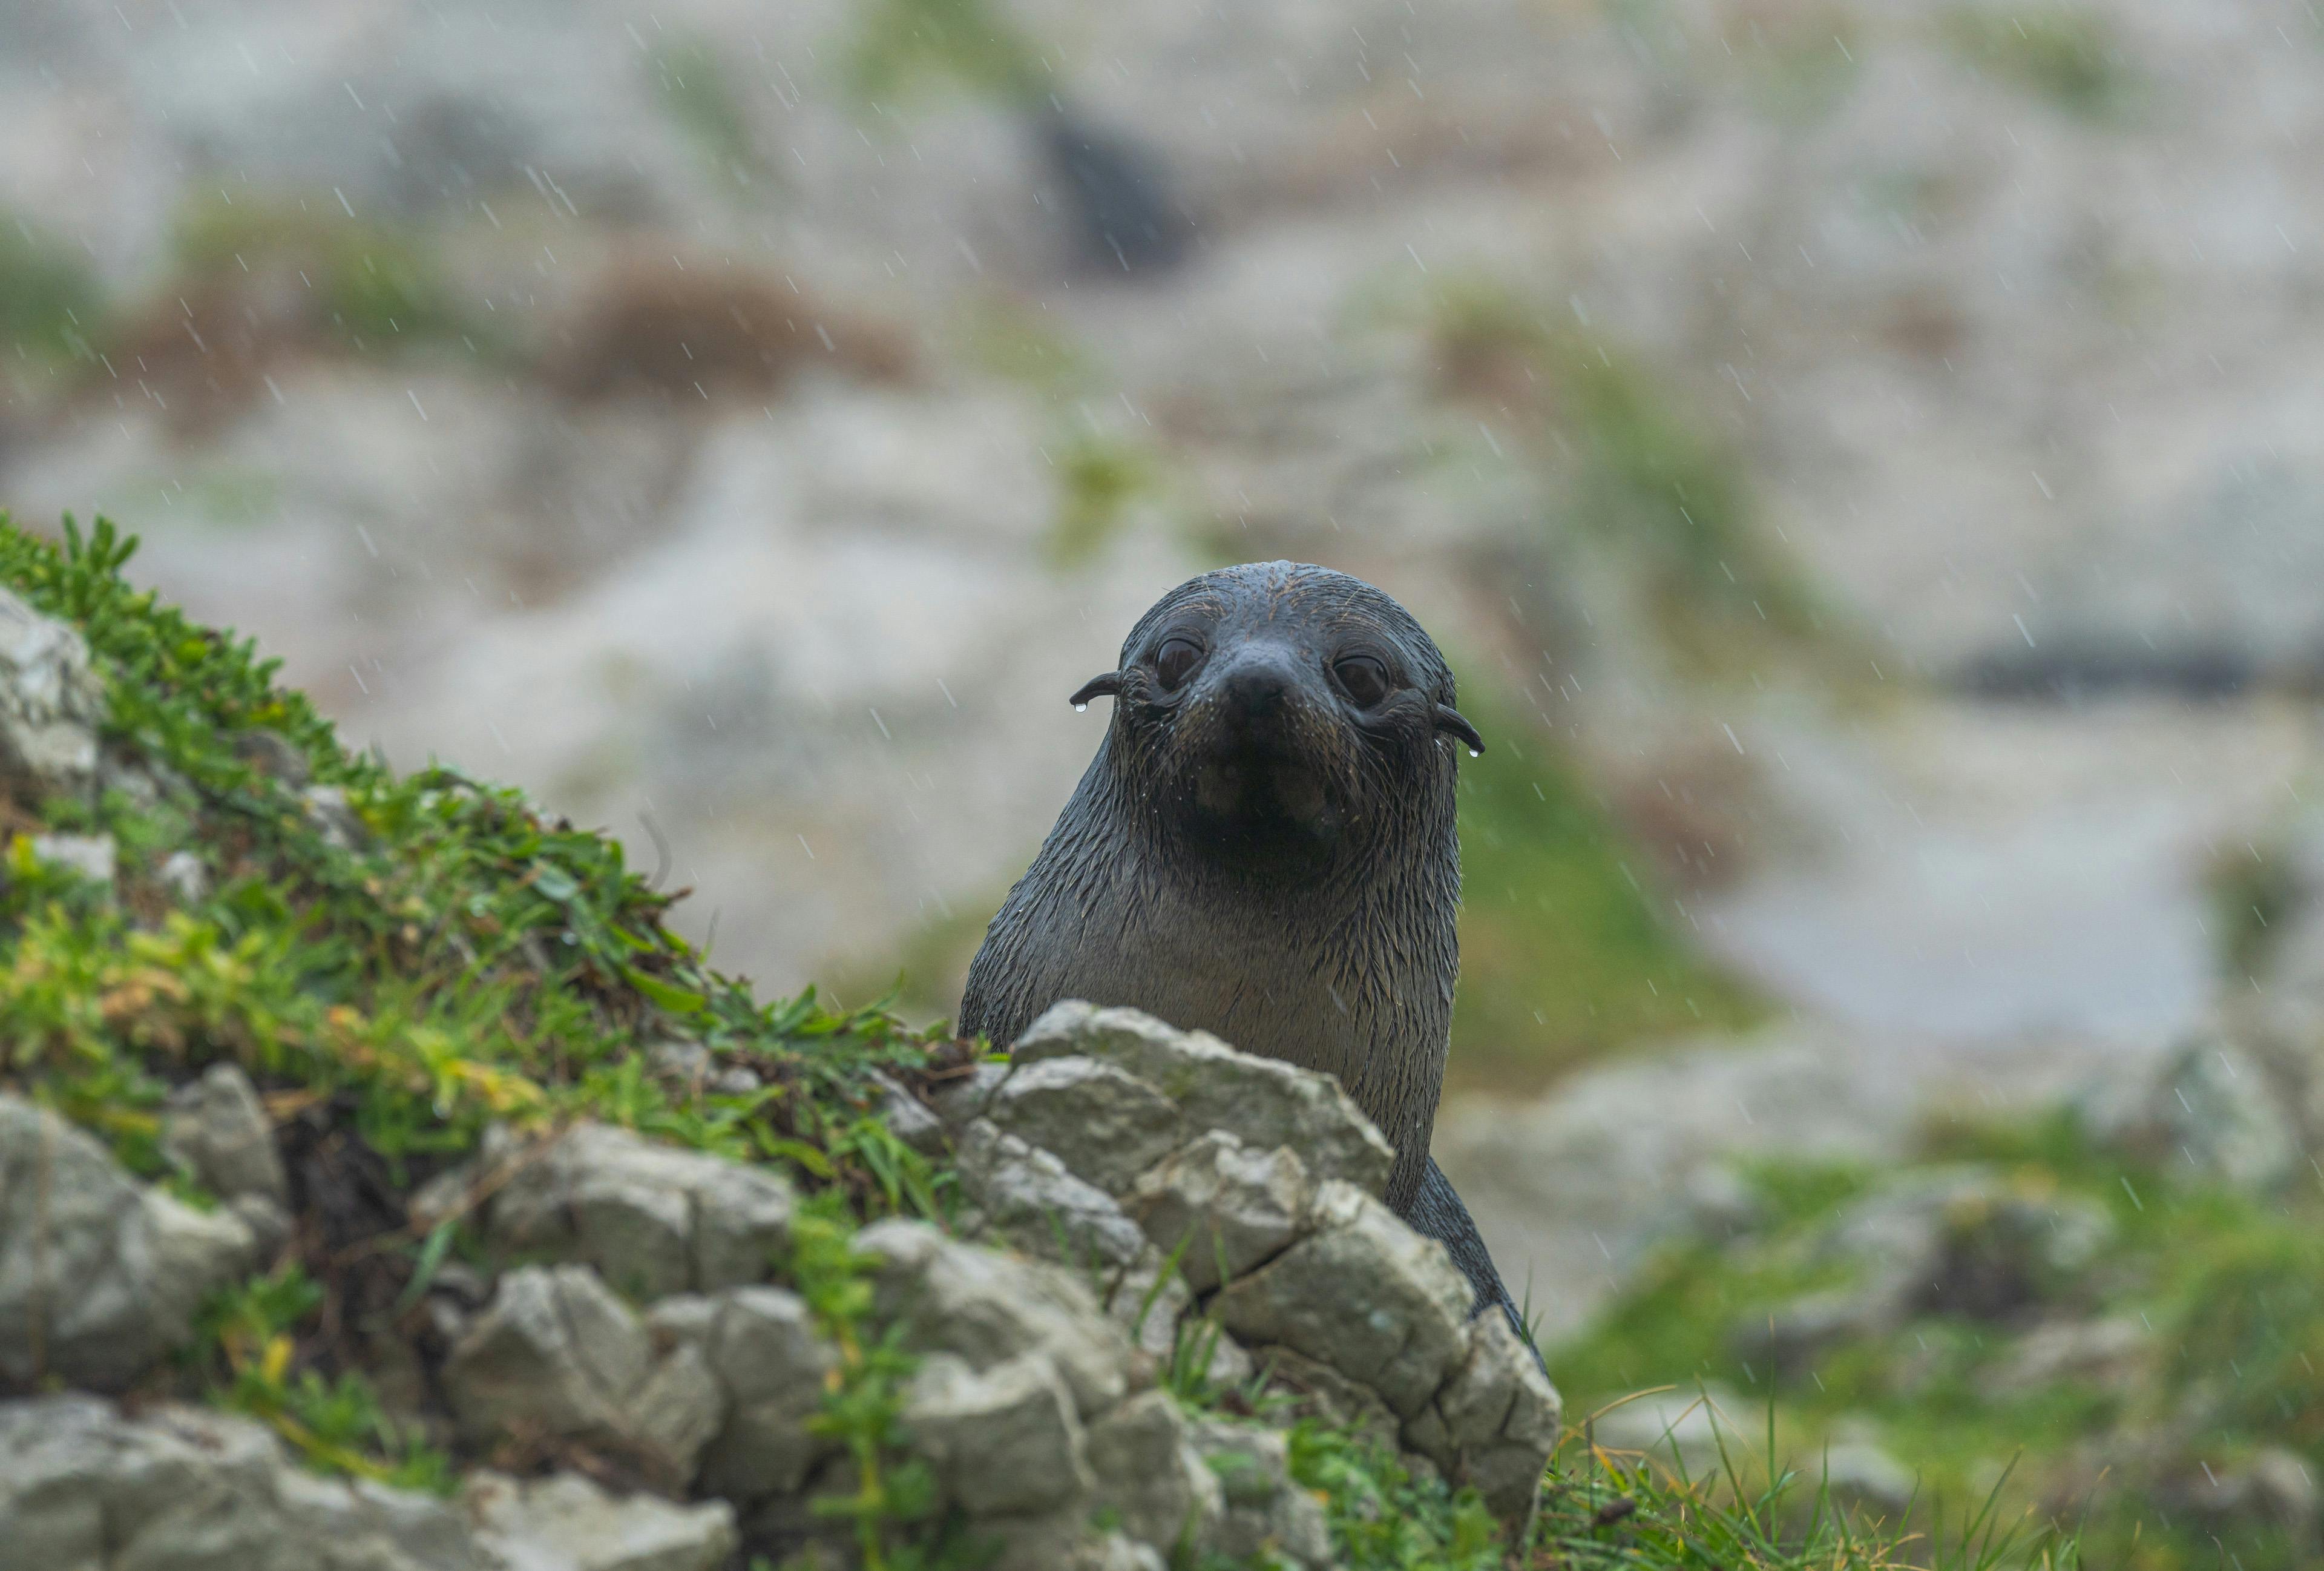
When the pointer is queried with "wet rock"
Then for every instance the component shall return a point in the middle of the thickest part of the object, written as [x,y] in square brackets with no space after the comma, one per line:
[218,1134]
[1106,1125]
[1147,1300]
[83,1485]
[1065,1541]
[327,809]
[183,875]
[1150,1475]
[50,706]
[556,1353]
[273,755]
[958,1100]
[2101,1351]
[1494,1423]
[1003,1441]
[1221,1208]
[762,1347]
[988,1309]
[652,1218]
[566,1523]
[1364,1294]
[2211,1104]
[1956,1240]
[98,1276]
[1321,1391]
[909,1119]
[90,855]
[1263,1102]
[2271,1487]
[1264,1510]
[1027,1196]
[1865,1478]
[1681,1430]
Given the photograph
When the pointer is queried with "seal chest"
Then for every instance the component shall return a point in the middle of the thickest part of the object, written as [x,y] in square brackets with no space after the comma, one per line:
[1264,848]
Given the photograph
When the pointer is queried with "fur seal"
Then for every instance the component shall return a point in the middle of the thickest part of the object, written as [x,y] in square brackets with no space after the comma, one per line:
[1264,848]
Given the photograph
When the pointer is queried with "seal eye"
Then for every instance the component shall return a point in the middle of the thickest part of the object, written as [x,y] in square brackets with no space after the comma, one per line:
[1363,678]
[1175,662]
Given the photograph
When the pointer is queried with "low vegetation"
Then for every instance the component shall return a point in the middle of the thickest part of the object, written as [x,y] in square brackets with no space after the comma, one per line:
[2162,1395]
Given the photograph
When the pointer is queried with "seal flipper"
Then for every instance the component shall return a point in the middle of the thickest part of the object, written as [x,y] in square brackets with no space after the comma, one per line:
[1437,1212]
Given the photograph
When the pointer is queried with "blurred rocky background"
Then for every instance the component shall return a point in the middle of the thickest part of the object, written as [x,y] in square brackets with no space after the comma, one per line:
[1866,458]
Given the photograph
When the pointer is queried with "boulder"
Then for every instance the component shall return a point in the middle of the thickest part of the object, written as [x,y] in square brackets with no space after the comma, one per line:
[1003,1441]
[762,1345]
[566,1523]
[216,1133]
[1684,1431]
[556,1353]
[50,706]
[1952,1241]
[1105,1125]
[92,857]
[653,1219]
[99,1276]
[1265,1103]
[1264,1511]
[1494,1423]
[82,1486]
[2211,1103]
[1151,1477]
[1027,1196]
[1364,1294]
[987,1308]
[1221,1208]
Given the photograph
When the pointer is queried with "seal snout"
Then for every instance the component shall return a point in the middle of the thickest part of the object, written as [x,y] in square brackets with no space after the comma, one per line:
[1257,687]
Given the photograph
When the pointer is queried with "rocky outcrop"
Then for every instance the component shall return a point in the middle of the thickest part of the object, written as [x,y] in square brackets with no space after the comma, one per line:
[99,1275]
[1267,1211]
[84,1484]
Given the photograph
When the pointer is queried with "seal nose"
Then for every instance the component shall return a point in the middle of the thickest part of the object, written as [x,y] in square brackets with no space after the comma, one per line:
[1257,687]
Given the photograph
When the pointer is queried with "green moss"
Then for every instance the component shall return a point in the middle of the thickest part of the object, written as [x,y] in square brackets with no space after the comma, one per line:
[51,306]
[2065,53]
[371,285]
[1099,481]
[1567,950]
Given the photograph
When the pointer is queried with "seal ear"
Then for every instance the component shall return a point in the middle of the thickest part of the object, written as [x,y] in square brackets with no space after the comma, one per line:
[1099,686]
[1449,718]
